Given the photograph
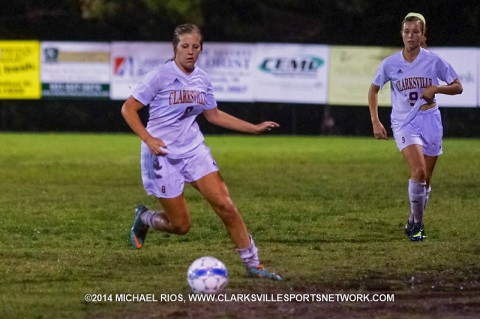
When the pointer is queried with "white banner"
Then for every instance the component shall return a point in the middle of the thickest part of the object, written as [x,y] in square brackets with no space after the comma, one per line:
[239,72]
[229,67]
[75,69]
[130,61]
[465,61]
[291,73]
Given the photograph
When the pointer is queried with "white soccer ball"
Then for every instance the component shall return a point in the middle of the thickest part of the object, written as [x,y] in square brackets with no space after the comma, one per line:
[207,275]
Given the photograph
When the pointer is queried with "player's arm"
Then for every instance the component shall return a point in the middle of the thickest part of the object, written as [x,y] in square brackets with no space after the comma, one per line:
[225,120]
[130,113]
[379,131]
[450,89]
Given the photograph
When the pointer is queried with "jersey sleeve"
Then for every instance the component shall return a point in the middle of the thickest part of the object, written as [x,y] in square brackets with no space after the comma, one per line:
[380,77]
[446,71]
[210,101]
[145,91]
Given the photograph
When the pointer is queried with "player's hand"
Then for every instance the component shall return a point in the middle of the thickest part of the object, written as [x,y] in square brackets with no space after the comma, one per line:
[379,131]
[429,94]
[266,126]
[156,146]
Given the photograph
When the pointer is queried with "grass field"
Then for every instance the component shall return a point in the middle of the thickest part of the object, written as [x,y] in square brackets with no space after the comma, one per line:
[327,213]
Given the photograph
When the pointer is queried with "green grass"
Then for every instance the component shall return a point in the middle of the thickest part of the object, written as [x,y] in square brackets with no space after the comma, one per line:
[327,213]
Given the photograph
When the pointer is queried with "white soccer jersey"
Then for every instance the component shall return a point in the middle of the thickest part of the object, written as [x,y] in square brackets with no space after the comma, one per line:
[408,80]
[175,99]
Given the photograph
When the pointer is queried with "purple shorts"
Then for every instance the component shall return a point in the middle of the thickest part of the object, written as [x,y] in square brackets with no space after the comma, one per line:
[165,177]
[425,129]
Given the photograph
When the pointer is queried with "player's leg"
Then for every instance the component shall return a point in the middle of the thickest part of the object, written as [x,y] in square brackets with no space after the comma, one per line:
[409,141]
[432,136]
[430,162]
[413,155]
[174,219]
[214,190]
[163,179]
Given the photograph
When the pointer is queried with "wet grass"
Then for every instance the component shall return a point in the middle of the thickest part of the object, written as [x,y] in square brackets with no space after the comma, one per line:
[326,212]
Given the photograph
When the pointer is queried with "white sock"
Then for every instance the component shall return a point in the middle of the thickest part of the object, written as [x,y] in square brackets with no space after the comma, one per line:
[417,196]
[249,255]
[427,192]
[148,218]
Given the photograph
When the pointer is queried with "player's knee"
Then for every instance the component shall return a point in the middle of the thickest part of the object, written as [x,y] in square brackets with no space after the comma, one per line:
[419,174]
[180,225]
[181,229]
[225,206]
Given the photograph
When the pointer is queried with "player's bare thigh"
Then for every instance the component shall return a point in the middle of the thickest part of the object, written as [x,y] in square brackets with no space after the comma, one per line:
[213,188]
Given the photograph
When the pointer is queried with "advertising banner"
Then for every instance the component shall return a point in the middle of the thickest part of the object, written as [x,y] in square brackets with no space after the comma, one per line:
[229,67]
[239,72]
[131,61]
[291,73]
[75,69]
[352,69]
[19,69]
[465,62]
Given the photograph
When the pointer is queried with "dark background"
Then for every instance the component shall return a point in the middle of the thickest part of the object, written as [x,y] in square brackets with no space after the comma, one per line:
[335,22]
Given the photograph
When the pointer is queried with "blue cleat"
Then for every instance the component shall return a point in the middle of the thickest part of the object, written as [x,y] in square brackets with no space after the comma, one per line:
[139,229]
[261,272]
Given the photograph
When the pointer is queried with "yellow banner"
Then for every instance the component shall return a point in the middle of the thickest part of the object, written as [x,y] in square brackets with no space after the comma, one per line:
[352,69]
[19,69]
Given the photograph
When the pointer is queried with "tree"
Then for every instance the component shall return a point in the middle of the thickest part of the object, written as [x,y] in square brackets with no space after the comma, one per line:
[346,22]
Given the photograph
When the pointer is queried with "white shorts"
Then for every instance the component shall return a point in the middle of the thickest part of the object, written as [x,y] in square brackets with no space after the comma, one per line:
[425,129]
[165,177]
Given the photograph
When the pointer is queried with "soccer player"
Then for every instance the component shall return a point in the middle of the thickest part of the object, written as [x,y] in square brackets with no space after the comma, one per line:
[414,75]
[173,150]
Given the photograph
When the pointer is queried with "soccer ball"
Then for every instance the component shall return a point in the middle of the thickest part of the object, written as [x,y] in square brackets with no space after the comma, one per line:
[207,275]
